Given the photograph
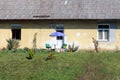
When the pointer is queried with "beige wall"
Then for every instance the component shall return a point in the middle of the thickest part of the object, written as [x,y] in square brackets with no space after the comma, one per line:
[80,32]
[27,33]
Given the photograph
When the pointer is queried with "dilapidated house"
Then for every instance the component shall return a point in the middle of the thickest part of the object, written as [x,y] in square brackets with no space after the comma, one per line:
[79,20]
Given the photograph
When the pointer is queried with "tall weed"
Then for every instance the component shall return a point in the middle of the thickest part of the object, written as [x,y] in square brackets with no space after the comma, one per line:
[72,48]
[12,44]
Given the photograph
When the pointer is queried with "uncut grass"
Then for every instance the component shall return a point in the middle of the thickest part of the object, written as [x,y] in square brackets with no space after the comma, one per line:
[102,66]
[66,66]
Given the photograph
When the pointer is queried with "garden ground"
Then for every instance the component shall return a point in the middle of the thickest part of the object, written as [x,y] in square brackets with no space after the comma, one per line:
[83,65]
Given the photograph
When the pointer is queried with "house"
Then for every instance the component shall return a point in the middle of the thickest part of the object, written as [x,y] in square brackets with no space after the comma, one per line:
[79,20]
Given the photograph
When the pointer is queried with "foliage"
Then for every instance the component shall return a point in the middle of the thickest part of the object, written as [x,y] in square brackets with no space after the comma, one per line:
[31,53]
[50,56]
[12,44]
[72,48]
[95,42]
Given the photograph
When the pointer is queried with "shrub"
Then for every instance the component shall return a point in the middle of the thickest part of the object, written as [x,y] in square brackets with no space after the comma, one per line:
[31,53]
[50,56]
[12,44]
[72,48]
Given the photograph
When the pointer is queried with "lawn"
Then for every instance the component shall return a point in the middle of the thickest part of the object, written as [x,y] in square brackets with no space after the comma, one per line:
[84,65]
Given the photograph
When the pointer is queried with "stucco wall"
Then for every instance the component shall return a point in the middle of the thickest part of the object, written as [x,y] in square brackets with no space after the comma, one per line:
[28,30]
[117,42]
[79,32]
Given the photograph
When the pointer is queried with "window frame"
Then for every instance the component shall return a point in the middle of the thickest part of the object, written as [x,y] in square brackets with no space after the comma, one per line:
[15,34]
[15,27]
[103,33]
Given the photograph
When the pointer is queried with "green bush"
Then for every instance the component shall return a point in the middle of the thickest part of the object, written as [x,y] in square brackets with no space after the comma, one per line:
[50,56]
[31,53]
[12,44]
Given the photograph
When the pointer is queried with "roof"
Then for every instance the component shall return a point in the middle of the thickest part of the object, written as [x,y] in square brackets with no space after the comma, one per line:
[59,9]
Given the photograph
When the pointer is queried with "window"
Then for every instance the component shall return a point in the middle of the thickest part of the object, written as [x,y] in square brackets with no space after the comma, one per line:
[16,34]
[16,31]
[59,37]
[103,32]
[60,28]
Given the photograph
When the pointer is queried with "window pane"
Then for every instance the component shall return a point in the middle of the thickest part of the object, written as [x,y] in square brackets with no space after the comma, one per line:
[59,37]
[13,34]
[106,33]
[100,34]
[16,34]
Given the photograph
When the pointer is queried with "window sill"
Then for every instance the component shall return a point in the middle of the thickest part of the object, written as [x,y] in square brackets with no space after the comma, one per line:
[103,41]
[18,39]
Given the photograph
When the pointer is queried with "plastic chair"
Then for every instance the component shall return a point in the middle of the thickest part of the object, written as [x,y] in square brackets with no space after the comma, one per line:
[47,45]
[64,47]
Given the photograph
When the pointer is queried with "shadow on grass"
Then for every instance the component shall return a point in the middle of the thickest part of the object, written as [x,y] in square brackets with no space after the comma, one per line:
[29,58]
